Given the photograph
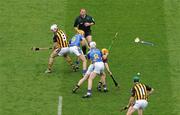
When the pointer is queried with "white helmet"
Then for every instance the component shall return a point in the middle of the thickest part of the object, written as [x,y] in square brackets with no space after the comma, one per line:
[92,44]
[54,27]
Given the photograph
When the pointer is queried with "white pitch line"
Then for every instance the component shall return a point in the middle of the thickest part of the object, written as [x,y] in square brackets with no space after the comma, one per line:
[60,106]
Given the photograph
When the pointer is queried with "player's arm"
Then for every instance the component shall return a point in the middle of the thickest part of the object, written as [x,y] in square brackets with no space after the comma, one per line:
[54,46]
[150,92]
[106,63]
[107,68]
[131,99]
[91,22]
[149,89]
[54,43]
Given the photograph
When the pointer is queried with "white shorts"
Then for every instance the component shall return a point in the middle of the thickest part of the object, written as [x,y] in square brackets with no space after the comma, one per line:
[63,51]
[140,104]
[90,69]
[98,67]
[75,50]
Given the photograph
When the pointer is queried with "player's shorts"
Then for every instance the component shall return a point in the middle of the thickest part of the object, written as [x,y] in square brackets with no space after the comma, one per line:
[98,67]
[140,104]
[90,69]
[105,60]
[87,33]
[63,51]
[75,50]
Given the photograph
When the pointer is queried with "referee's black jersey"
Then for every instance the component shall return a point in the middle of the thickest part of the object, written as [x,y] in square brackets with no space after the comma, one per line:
[79,23]
[140,91]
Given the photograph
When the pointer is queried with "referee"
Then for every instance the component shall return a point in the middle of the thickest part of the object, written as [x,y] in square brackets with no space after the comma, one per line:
[139,96]
[84,22]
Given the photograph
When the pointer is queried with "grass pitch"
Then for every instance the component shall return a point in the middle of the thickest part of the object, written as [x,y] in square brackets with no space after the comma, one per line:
[26,90]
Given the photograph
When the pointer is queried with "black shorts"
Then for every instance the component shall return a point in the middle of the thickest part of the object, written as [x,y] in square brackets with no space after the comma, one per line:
[87,33]
[105,60]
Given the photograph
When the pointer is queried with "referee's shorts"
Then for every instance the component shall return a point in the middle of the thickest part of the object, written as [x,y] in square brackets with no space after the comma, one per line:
[87,33]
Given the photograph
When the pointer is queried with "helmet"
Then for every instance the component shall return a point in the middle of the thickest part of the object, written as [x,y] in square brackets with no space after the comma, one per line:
[54,27]
[104,51]
[92,44]
[136,79]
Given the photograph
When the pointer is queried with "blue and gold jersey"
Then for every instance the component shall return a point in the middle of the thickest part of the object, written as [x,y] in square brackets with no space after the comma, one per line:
[95,55]
[76,40]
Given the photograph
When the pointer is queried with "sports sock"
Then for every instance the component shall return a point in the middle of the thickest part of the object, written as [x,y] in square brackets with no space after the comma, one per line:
[77,62]
[99,84]
[84,72]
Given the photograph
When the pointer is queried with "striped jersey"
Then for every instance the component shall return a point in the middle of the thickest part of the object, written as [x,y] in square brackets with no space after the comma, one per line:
[61,39]
[140,91]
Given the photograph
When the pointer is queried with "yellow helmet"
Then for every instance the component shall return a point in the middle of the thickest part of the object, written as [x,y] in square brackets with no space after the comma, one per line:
[104,51]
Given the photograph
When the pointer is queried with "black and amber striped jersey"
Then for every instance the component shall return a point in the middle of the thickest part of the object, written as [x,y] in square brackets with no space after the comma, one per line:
[61,39]
[140,91]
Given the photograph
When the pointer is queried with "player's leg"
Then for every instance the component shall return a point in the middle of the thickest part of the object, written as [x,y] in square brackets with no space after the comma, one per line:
[69,61]
[78,52]
[99,85]
[84,61]
[72,50]
[77,62]
[103,78]
[89,39]
[64,52]
[102,82]
[130,111]
[51,60]
[90,82]
[81,81]
[98,69]
[142,105]
[140,111]
[84,47]
[138,104]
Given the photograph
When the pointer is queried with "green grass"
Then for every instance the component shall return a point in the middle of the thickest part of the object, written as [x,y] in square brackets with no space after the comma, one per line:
[26,90]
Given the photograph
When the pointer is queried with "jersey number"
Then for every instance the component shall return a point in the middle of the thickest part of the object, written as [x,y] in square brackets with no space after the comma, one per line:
[63,36]
[73,39]
[96,56]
